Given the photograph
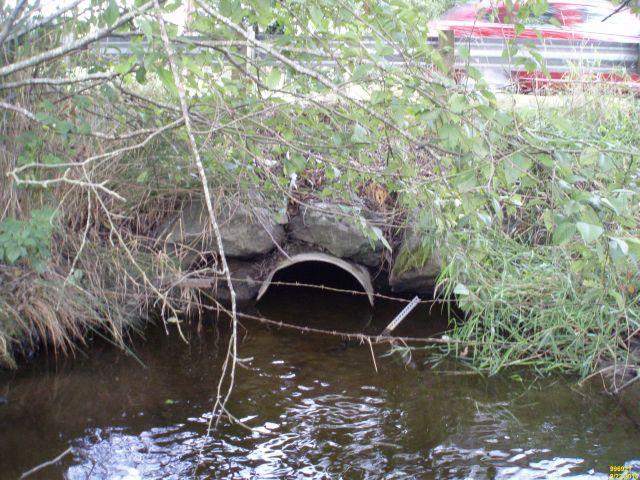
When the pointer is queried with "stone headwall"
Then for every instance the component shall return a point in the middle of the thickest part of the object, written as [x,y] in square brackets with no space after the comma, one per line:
[255,243]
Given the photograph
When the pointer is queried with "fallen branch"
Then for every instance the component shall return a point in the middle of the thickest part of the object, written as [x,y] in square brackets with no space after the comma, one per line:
[37,468]
[231,352]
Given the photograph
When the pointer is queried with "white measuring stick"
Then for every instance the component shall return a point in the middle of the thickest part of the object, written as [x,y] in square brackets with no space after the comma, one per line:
[401,316]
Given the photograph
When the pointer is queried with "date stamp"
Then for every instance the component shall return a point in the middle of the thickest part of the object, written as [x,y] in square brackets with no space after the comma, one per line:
[622,472]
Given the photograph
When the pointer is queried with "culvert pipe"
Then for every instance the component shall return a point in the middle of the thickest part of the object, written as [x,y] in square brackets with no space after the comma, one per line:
[358,272]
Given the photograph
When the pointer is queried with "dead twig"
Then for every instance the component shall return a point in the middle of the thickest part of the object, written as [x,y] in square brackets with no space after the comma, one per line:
[37,468]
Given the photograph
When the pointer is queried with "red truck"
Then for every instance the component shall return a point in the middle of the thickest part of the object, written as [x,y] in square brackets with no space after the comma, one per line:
[602,26]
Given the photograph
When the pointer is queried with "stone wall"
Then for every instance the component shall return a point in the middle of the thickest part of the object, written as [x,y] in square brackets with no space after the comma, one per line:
[255,243]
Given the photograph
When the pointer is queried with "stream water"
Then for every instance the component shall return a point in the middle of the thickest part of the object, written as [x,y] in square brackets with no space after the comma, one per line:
[317,407]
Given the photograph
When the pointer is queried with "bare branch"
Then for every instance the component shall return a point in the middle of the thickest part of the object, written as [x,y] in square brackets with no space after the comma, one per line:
[57,81]
[101,135]
[46,464]
[19,109]
[44,21]
[12,18]
[65,179]
[75,45]
[101,156]
[231,352]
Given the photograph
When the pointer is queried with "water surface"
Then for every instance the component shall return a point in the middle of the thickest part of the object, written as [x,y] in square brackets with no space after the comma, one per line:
[316,405]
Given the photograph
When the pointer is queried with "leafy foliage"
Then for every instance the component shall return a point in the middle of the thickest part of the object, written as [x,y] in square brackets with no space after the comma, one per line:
[27,240]
[552,276]
[535,213]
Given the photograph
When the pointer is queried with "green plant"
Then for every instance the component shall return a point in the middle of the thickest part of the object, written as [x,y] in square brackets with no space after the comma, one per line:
[545,265]
[27,240]
[535,213]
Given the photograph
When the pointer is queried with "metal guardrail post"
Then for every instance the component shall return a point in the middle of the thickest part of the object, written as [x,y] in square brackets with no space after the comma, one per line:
[245,56]
[250,53]
[446,46]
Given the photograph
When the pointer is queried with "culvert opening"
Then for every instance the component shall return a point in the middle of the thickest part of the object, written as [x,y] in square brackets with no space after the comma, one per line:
[315,273]
[280,298]
[306,272]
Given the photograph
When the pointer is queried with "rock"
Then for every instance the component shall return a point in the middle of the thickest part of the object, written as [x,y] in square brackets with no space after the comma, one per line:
[339,235]
[245,279]
[246,231]
[418,262]
[629,375]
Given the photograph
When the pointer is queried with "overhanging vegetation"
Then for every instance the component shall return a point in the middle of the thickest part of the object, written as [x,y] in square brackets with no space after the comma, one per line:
[534,211]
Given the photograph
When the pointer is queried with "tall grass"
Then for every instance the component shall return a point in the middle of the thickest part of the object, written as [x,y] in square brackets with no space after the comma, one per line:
[527,307]
[571,306]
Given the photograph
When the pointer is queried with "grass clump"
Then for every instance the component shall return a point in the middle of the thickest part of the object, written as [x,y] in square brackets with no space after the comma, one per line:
[528,306]
[547,272]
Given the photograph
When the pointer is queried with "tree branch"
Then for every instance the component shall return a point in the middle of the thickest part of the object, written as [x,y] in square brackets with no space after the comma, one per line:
[231,352]
[45,20]
[10,21]
[57,81]
[76,45]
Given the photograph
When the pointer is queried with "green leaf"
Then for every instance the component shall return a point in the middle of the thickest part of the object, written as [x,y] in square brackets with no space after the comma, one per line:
[227,7]
[273,79]
[294,163]
[589,156]
[384,50]
[316,15]
[465,181]
[380,236]
[360,72]
[563,233]
[485,218]
[145,26]
[172,7]
[515,166]
[457,103]
[634,246]
[12,252]
[620,244]
[562,124]
[463,52]
[461,289]
[141,75]
[360,134]
[125,65]
[144,175]
[518,28]
[111,13]
[450,135]
[589,232]
[166,77]
[38,265]
[378,96]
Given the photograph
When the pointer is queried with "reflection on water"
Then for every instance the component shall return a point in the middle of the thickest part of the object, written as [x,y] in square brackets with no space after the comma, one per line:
[317,407]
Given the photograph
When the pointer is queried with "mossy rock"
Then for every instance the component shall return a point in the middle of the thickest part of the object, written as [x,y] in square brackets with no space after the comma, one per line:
[338,235]
[418,261]
[247,231]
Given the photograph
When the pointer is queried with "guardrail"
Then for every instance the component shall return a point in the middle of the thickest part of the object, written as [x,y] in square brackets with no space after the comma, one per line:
[484,53]
[557,55]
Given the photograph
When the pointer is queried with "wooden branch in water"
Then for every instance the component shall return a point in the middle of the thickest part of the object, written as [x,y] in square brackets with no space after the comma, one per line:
[37,468]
